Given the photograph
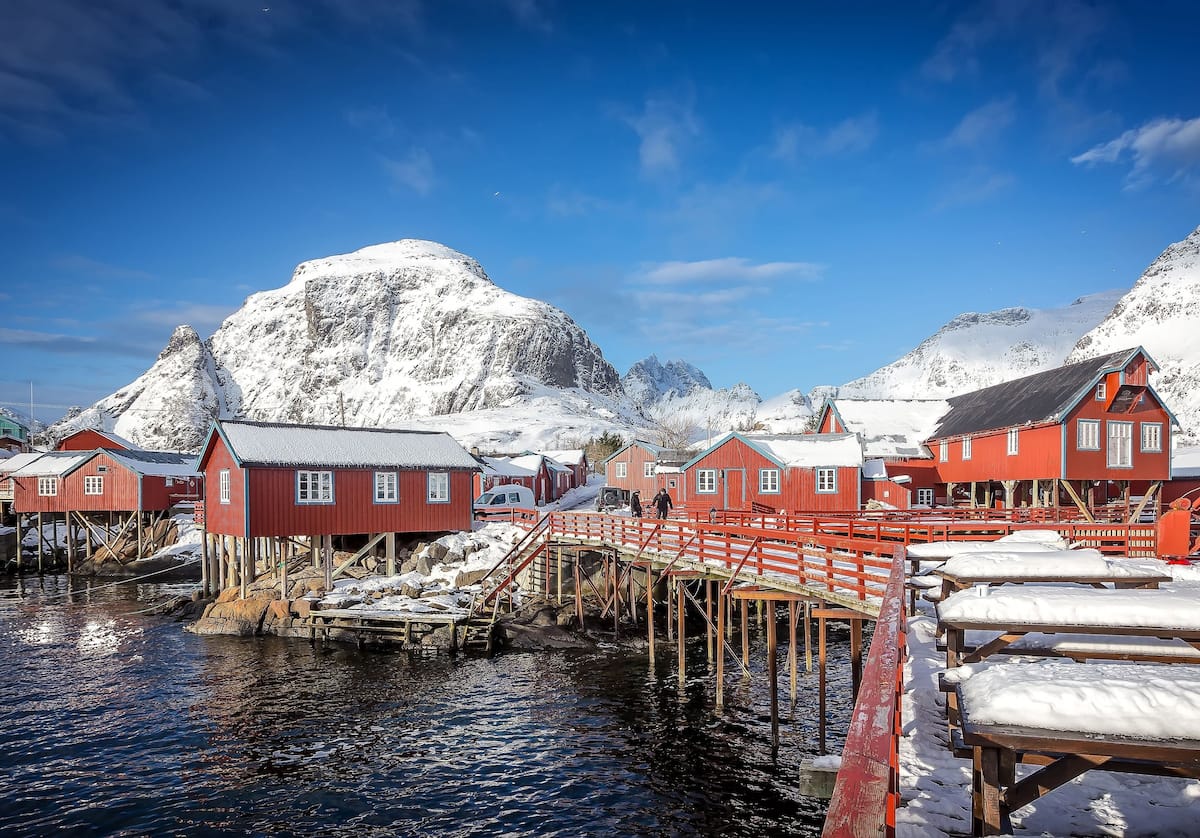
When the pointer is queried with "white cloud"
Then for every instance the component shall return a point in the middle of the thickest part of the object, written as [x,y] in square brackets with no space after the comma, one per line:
[728,269]
[414,171]
[1167,146]
[976,186]
[980,125]
[530,14]
[663,127]
[796,140]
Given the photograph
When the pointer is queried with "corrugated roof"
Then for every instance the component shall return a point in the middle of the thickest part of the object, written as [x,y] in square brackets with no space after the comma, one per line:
[271,444]
[156,463]
[19,461]
[1034,399]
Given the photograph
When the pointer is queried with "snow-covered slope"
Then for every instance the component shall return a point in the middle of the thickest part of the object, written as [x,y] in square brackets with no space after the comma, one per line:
[649,381]
[978,350]
[1162,314]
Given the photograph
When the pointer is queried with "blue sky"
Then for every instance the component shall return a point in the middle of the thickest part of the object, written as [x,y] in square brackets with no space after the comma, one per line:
[782,196]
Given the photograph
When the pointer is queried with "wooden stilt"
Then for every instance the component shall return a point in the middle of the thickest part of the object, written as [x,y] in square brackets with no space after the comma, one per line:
[708,614]
[670,598]
[284,554]
[821,685]
[328,562]
[792,649]
[632,598]
[578,594]
[244,569]
[649,607]
[140,535]
[41,541]
[808,637]
[558,581]
[389,551]
[855,656]
[615,576]
[70,542]
[745,633]
[20,567]
[204,574]
[681,635]
[772,670]
[314,550]
[722,610]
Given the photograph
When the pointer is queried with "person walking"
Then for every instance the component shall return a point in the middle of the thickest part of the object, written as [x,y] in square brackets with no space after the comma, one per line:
[635,505]
[663,502]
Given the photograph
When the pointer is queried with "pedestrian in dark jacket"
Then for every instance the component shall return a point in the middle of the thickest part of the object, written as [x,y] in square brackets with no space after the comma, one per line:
[663,501]
[635,505]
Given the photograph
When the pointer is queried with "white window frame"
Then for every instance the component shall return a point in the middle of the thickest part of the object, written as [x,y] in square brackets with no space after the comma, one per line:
[1014,441]
[437,487]
[826,480]
[387,487]
[1120,446]
[768,481]
[223,485]
[93,484]
[620,470]
[925,497]
[944,450]
[1101,391]
[1089,441]
[314,486]
[648,469]
[966,450]
[1152,437]
[706,481]
[47,487]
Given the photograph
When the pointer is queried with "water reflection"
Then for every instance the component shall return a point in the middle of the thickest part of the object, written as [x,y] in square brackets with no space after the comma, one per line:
[120,722]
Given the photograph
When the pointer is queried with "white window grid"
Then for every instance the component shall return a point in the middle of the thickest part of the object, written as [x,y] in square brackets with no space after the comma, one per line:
[621,470]
[1152,436]
[223,485]
[93,485]
[647,469]
[439,487]
[966,451]
[1014,442]
[706,481]
[768,481]
[314,486]
[48,486]
[1120,445]
[944,450]
[1087,435]
[826,480]
[386,487]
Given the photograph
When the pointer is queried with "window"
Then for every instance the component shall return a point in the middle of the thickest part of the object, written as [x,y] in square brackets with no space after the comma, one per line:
[944,450]
[768,481]
[223,485]
[966,455]
[1087,435]
[439,487]
[706,481]
[385,487]
[647,469]
[925,497]
[1014,445]
[101,469]
[826,481]
[48,486]
[93,485]
[1120,444]
[621,469]
[1101,391]
[1152,436]
[314,487]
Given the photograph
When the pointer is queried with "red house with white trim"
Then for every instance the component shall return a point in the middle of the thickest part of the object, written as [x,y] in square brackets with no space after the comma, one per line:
[89,439]
[793,472]
[632,467]
[265,479]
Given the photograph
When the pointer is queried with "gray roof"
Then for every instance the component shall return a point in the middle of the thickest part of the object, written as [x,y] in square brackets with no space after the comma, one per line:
[1035,399]
[272,444]
[156,463]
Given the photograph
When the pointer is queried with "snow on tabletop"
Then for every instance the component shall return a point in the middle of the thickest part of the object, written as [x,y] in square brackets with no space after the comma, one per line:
[946,549]
[1092,607]
[1139,700]
[1048,537]
[1061,564]
[291,445]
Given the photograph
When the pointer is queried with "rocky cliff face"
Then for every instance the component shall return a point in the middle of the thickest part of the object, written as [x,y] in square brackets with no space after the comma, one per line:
[649,381]
[410,328]
[1161,313]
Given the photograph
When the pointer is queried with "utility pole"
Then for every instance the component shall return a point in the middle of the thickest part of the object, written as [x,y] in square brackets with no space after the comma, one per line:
[342,409]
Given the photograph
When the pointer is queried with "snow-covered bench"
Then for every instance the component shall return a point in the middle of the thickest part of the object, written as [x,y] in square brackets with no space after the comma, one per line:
[1085,567]
[1071,718]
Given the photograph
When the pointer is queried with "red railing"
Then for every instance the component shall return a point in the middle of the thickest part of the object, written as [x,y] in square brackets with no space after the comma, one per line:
[867,792]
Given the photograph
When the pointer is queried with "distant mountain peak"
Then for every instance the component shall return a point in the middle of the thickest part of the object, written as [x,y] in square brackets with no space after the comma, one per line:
[649,381]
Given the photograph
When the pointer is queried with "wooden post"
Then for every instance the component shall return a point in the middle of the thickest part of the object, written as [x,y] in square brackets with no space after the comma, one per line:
[792,648]
[808,637]
[772,672]
[328,561]
[974,501]
[821,685]
[681,633]
[558,580]
[70,542]
[855,657]
[632,596]
[708,613]
[745,634]
[205,577]
[721,612]
[244,570]
[649,603]
[41,541]
[285,551]
[20,568]
[139,533]
[670,598]
[578,593]
[389,550]
[87,538]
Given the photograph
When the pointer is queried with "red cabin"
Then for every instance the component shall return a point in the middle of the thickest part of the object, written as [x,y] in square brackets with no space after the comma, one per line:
[632,467]
[89,439]
[501,471]
[810,472]
[274,480]
[574,459]
[105,481]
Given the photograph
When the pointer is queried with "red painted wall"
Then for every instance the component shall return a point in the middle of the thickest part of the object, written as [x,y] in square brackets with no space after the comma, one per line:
[1092,465]
[120,491]
[635,457]
[274,511]
[885,491]
[737,484]
[87,440]
[225,518]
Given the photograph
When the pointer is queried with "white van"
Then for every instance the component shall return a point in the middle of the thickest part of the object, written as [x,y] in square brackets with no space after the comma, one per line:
[503,499]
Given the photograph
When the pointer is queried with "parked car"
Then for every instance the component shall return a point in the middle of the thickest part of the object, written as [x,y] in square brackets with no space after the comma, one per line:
[612,497]
[502,499]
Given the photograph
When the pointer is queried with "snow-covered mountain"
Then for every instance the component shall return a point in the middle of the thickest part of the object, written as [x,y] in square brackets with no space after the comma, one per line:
[978,350]
[375,337]
[1161,313]
[649,381]
[677,399]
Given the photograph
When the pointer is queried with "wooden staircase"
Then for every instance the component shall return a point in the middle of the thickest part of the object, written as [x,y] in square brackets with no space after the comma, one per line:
[479,634]
[501,577]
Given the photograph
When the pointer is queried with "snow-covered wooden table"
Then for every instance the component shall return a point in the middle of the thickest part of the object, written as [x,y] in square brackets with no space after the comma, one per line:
[1084,567]
[1069,718]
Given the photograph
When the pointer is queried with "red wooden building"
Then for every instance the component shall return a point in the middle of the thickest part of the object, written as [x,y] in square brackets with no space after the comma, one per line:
[632,467]
[89,439]
[573,459]
[1078,434]
[504,471]
[777,472]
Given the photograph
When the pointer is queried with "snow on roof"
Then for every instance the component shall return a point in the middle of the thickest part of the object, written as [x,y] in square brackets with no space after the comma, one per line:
[54,464]
[18,461]
[1185,462]
[505,467]
[809,450]
[533,462]
[270,444]
[156,463]
[875,469]
[892,427]
[566,456]
[109,435]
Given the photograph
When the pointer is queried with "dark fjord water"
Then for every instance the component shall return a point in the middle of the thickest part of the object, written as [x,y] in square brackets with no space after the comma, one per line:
[115,723]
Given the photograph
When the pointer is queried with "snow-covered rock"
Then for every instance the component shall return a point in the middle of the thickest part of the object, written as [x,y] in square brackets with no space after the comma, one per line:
[649,381]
